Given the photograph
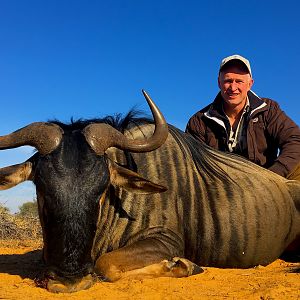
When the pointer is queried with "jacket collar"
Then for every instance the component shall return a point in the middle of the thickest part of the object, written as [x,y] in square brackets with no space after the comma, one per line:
[256,103]
[216,108]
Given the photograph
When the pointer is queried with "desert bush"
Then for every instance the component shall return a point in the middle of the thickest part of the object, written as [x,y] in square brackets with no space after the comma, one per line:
[18,226]
[29,209]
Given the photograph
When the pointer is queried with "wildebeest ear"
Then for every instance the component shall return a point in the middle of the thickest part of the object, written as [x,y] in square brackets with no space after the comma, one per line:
[132,181]
[13,175]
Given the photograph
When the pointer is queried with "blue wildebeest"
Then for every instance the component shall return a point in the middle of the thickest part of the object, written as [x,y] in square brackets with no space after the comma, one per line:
[101,214]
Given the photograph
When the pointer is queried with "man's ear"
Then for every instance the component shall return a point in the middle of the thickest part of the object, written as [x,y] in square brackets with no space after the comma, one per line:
[13,175]
[131,181]
[219,83]
[251,83]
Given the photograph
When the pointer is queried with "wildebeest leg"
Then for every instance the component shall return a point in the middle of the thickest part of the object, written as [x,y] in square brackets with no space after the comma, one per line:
[143,259]
[177,267]
[292,252]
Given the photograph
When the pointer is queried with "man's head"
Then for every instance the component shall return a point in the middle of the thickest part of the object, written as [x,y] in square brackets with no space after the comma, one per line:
[235,80]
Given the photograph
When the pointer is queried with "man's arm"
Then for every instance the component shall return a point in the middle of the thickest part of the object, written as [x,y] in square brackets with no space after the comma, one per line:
[195,127]
[287,134]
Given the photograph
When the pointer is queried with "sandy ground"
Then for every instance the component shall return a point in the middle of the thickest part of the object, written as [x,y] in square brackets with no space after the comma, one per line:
[20,264]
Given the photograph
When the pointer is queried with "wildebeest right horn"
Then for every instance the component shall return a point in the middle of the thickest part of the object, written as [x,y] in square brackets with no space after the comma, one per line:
[45,137]
[102,136]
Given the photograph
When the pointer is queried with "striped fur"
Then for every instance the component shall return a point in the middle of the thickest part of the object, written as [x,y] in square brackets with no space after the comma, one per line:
[219,210]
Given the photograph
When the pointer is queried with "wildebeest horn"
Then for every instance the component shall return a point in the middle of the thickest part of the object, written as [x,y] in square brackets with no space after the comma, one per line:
[45,137]
[102,136]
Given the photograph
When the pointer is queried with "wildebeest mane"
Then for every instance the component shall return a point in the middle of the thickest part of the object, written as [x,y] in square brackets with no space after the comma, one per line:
[205,160]
[118,121]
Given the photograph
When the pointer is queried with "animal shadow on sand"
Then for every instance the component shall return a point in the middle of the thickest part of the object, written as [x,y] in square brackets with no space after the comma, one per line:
[294,259]
[28,265]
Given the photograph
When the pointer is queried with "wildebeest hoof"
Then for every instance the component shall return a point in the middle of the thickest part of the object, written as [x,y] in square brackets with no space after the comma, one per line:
[182,267]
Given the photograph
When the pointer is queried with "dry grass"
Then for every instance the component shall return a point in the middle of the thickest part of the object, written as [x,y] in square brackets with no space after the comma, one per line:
[18,227]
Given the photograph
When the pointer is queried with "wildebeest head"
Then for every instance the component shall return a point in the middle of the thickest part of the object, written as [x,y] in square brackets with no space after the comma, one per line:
[72,173]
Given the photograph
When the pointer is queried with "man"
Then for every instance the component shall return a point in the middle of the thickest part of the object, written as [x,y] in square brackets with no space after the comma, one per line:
[240,122]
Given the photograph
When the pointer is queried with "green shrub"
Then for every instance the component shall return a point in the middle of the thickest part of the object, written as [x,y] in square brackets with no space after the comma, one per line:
[29,209]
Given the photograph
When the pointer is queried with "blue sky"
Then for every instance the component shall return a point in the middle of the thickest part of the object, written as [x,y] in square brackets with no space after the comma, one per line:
[63,59]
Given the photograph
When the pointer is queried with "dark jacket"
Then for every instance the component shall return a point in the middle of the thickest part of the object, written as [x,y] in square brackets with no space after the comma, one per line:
[272,138]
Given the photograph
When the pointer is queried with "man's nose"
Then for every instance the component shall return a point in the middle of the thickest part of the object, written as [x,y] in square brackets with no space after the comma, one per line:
[233,86]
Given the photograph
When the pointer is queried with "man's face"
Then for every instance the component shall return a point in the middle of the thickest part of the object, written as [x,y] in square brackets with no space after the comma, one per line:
[234,84]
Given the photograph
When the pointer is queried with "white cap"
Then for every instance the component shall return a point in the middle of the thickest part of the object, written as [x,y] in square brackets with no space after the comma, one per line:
[236,57]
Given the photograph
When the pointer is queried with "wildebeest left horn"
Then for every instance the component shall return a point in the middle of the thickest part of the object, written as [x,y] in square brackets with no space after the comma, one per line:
[45,137]
[102,136]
